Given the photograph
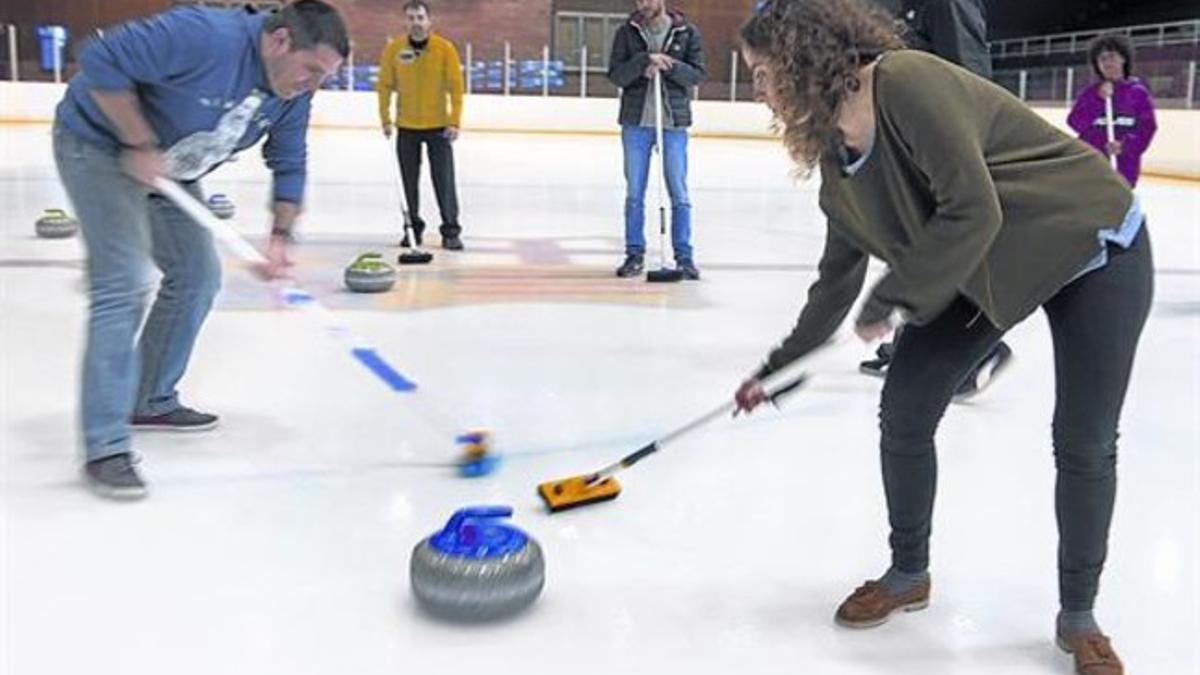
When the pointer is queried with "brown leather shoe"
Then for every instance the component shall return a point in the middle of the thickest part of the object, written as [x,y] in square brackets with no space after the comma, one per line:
[871,604]
[1093,654]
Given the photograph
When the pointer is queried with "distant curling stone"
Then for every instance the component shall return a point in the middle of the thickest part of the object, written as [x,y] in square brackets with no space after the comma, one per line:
[56,224]
[477,568]
[370,274]
[477,459]
[221,206]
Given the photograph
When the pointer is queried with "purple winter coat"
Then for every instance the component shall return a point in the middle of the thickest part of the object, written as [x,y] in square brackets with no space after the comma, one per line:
[1133,122]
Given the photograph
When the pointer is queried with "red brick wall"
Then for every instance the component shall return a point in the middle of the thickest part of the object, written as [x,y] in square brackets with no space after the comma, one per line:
[486,24]
[80,17]
[718,21]
[85,14]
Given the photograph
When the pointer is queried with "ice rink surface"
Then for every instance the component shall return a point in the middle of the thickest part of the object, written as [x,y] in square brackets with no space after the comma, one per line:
[280,542]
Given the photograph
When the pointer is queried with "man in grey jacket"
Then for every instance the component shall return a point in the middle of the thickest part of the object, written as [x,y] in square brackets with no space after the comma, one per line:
[656,41]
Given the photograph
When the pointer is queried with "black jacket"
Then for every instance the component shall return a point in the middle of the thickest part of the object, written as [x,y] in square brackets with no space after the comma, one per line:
[631,55]
[955,30]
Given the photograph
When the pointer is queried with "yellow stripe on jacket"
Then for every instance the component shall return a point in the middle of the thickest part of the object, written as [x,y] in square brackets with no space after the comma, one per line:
[428,84]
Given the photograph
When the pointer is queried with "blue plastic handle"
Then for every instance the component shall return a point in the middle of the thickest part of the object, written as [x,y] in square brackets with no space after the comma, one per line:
[474,533]
[475,513]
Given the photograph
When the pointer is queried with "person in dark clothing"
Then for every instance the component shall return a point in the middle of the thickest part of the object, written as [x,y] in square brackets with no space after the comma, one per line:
[955,30]
[983,212]
[656,40]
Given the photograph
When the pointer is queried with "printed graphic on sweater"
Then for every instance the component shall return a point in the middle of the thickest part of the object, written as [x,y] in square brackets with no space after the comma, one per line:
[1118,121]
[195,155]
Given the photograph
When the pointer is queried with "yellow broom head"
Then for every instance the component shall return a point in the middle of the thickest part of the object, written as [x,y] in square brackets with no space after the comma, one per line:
[574,492]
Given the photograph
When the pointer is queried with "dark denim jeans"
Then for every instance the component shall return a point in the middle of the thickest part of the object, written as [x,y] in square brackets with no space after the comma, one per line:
[1095,322]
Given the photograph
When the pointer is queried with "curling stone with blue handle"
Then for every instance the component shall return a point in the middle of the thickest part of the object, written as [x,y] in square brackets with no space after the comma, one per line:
[477,568]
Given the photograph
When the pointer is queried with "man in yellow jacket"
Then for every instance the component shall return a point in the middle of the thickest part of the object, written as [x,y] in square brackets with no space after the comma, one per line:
[424,72]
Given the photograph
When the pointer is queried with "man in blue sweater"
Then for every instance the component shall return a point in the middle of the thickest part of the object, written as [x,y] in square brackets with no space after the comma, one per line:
[174,96]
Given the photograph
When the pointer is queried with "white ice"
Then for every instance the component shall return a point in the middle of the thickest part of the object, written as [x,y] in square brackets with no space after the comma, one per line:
[280,542]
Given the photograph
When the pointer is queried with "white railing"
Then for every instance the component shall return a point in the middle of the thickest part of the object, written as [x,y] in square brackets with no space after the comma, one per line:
[1173,84]
[1145,35]
[12,51]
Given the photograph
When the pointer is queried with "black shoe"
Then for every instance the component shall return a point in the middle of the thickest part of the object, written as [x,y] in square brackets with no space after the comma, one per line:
[688,269]
[632,266]
[878,365]
[418,230]
[179,419]
[452,242]
[115,477]
[985,373]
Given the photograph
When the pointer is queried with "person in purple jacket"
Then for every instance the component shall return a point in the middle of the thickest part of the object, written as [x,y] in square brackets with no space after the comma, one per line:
[174,96]
[1111,57]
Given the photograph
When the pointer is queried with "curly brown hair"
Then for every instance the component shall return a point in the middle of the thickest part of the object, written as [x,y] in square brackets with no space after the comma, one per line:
[814,49]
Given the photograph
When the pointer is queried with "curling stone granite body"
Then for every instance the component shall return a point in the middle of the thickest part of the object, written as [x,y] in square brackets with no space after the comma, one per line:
[221,206]
[370,274]
[477,568]
[56,224]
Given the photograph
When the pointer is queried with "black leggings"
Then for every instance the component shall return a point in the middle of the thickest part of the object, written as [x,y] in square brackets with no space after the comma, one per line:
[1095,322]
[441,160]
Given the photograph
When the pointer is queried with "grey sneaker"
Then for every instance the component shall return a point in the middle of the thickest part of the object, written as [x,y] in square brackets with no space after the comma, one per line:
[115,477]
[182,418]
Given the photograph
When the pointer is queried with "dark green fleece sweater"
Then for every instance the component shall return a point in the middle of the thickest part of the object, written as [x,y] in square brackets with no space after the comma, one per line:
[966,191]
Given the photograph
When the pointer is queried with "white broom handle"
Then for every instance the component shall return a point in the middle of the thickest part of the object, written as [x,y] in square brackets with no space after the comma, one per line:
[366,354]
[662,166]
[791,375]
[400,175]
[405,214]
[220,229]
[658,134]
[1109,127]
[247,253]
[772,384]
[291,296]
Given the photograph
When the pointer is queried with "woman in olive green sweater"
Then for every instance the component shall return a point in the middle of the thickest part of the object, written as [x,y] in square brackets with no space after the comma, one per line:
[983,212]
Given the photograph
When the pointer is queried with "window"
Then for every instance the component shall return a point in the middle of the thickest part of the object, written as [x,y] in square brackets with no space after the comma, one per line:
[573,30]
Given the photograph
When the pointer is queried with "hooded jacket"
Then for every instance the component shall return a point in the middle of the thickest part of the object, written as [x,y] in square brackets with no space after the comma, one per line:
[630,56]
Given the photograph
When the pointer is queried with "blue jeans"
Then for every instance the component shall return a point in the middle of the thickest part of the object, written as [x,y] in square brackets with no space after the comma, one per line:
[638,142]
[125,227]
